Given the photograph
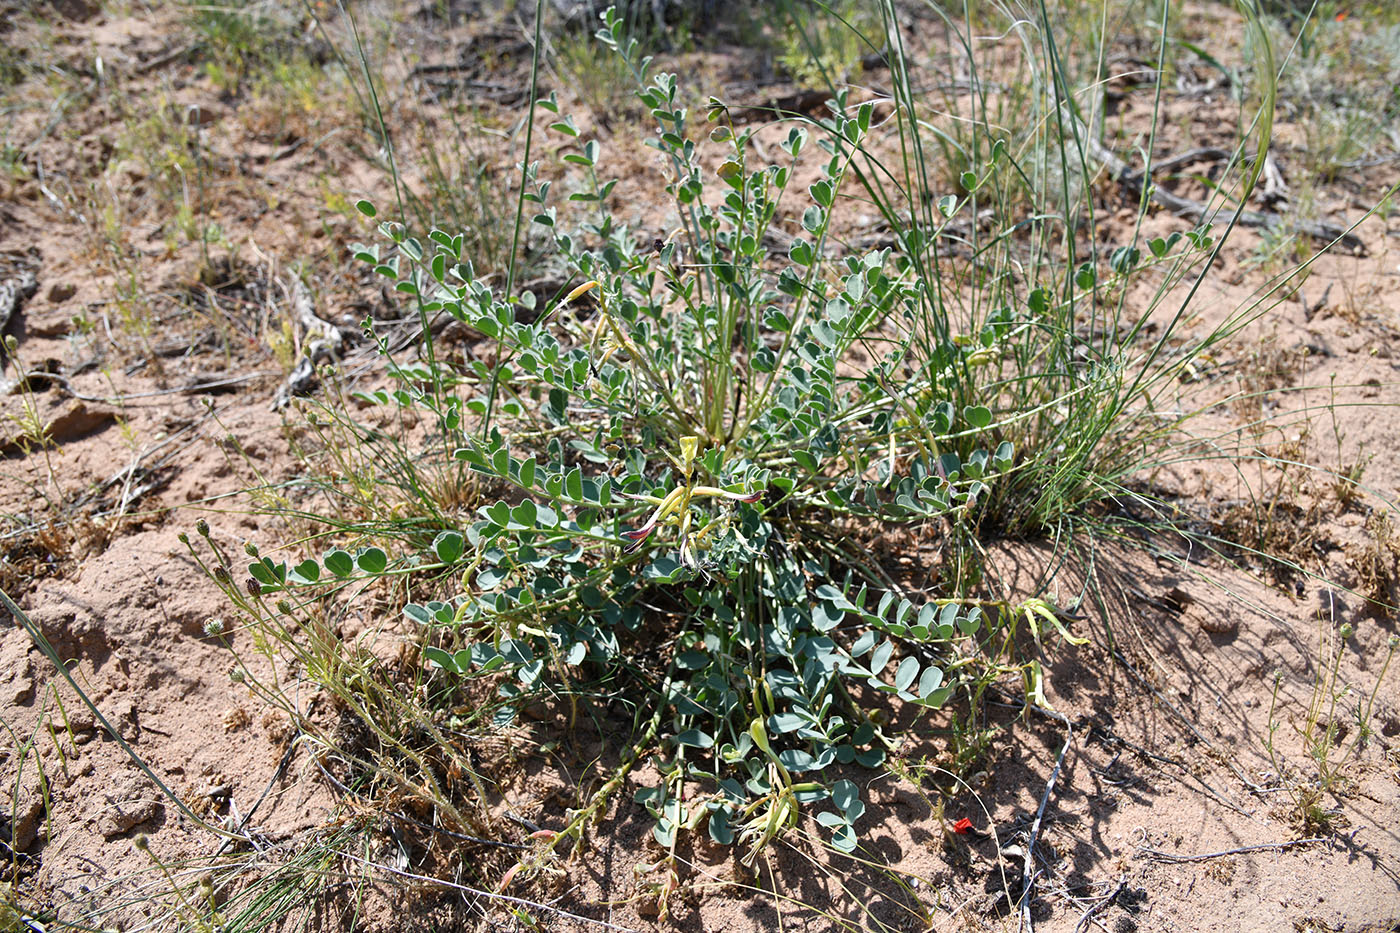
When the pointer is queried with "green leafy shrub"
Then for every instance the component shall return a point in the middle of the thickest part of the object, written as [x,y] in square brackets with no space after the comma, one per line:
[713,436]
[668,479]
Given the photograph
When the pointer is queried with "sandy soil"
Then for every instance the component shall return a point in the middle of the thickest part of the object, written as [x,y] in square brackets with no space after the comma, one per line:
[1159,766]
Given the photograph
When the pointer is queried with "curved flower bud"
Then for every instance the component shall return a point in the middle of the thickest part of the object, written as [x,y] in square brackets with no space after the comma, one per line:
[637,537]
[725,493]
[678,501]
[667,506]
[582,289]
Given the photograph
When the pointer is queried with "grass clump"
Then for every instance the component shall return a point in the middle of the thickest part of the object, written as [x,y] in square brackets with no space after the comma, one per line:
[1335,710]
[245,38]
[825,45]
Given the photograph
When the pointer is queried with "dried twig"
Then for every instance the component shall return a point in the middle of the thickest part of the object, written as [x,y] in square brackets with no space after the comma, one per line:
[1028,871]
[489,895]
[160,61]
[1159,855]
[490,90]
[1274,190]
[1310,310]
[1199,154]
[193,388]
[243,821]
[1088,916]
[799,103]
[1199,212]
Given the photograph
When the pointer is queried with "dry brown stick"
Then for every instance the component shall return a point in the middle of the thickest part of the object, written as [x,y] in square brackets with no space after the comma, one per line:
[1270,191]
[1200,154]
[245,819]
[1199,212]
[194,387]
[1088,916]
[799,103]
[1028,870]
[1274,189]
[304,314]
[485,895]
[180,51]
[1169,857]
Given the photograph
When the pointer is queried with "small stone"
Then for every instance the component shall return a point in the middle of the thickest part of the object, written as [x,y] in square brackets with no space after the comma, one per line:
[19,690]
[28,813]
[82,725]
[1178,600]
[236,718]
[78,419]
[53,324]
[65,421]
[127,718]
[131,802]
[80,718]
[1218,623]
[16,668]
[60,292]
